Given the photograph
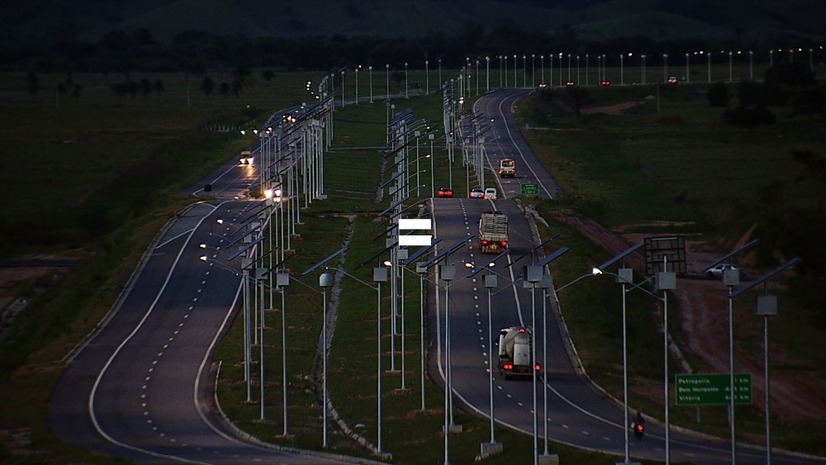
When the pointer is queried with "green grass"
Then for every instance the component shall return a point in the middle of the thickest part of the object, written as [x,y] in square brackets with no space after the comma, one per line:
[129,158]
[649,169]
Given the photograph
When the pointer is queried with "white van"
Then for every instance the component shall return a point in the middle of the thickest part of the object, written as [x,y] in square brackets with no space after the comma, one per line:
[490,193]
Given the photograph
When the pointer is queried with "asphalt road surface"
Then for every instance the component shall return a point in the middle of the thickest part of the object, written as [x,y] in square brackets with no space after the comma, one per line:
[142,386]
[577,413]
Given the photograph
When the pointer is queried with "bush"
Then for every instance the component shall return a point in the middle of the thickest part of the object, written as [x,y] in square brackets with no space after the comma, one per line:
[718,95]
[748,117]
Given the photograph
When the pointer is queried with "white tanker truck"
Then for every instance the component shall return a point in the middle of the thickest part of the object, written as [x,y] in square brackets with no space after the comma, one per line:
[516,352]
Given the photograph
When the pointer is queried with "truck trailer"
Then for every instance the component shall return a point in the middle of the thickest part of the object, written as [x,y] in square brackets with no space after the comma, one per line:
[516,353]
[493,232]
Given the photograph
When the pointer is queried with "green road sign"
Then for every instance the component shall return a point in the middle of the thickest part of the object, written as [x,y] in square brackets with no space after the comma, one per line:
[711,389]
[529,189]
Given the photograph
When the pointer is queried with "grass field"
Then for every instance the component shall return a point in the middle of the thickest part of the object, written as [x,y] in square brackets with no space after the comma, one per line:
[99,175]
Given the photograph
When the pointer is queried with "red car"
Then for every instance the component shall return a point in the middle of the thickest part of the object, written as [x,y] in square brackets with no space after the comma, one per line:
[445,192]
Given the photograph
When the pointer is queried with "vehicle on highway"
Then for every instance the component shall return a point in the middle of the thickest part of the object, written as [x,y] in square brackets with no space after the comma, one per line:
[445,192]
[716,271]
[493,232]
[671,80]
[476,193]
[490,193]
[638,426]
[245,158]
[516,353]
[507,168]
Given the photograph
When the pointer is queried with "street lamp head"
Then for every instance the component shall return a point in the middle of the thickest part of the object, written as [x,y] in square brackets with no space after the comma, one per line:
[596,271]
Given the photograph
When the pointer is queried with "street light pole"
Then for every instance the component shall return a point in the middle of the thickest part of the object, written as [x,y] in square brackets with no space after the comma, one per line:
[379,276]
[490,283]
[325,281]
[447,273]
[282,281]
[546,283]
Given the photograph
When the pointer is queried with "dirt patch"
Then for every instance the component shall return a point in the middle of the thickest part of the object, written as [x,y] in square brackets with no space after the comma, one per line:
[614,110]
[16,281]
[796,393]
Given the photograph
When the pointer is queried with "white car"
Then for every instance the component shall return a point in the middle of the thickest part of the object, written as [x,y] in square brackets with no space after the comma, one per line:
[717,270]
[490,193]
[476,193]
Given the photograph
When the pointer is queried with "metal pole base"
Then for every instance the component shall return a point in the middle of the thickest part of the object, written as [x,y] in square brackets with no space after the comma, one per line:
[548,459]
[453,429]
[490,448]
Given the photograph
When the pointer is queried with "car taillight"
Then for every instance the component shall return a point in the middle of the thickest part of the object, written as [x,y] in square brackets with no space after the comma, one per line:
[504,243]
[537,367]
[484,242]
[507,366]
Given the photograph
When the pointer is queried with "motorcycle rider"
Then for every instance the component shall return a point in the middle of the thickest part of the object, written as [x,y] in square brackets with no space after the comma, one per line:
[638,425]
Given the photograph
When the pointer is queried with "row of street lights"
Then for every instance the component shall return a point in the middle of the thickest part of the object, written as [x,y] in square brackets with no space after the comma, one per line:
[571,66]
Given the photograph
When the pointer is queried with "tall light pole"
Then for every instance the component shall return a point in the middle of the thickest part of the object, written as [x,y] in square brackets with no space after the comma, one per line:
[665,67]
[622,69]
[490,283]
[379,276]
[370,72]
[542,68]
[766,306]
[387,80]
[533,70]
[731,278]
[432,137]
[447,273]
[357,83]
[282,281]
[325,281]
[406,86]
[427,77]
[533,275]
[666,281]
[487,73]
[546,283]
[342,88]
[643,68]
[421,271]
[708,57]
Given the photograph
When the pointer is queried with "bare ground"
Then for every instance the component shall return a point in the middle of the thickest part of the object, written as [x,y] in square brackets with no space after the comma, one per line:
[796,392]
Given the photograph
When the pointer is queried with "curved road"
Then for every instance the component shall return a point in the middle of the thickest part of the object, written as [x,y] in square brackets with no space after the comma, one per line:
[505,141]
[578,415]
[141,387]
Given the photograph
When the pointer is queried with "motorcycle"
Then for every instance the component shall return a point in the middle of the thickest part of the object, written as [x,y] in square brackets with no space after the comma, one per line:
[638,429]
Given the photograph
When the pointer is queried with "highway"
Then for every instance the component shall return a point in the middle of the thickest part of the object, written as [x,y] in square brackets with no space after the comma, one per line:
[505,141]
[578,414]
[141,386]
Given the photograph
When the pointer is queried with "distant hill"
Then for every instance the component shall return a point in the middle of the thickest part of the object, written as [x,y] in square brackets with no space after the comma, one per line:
[732,21]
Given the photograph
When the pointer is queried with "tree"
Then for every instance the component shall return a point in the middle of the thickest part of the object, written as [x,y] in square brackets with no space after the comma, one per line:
[718,95]
[207,85]
[791,75]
